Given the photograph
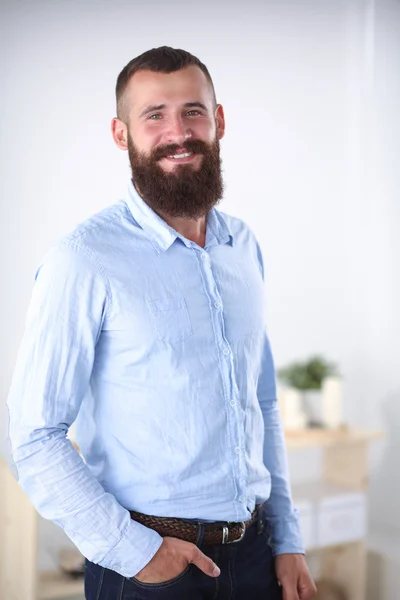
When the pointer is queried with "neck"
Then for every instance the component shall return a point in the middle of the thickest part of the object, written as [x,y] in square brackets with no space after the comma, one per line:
[191,229]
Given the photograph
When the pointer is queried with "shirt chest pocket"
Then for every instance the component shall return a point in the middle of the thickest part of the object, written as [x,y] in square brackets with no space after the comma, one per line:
[171,320]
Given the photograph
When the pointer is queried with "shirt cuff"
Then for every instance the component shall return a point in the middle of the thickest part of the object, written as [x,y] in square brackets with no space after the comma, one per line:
[134,550]
[286,535]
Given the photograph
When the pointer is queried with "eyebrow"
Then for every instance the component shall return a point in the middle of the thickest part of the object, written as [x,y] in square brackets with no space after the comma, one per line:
[156,107]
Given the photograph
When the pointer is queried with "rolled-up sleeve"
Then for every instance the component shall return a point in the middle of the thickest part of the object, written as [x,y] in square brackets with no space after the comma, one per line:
[70,303]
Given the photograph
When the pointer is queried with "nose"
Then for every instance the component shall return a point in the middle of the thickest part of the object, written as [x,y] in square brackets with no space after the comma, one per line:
[177,132]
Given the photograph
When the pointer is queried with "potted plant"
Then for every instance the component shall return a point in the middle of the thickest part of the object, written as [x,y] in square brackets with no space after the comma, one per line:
[308,377]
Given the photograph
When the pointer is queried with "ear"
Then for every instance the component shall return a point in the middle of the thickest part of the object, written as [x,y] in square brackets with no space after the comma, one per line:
[120,133]
[220,120]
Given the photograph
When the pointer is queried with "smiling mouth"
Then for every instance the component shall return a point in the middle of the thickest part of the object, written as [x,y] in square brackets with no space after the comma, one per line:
[183,156]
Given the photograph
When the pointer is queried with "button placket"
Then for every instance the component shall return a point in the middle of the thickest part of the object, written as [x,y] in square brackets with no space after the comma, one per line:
[227,367]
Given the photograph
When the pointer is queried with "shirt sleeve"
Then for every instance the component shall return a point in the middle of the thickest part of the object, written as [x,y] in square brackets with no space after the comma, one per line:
[70,303]
[282,515]
[280,512]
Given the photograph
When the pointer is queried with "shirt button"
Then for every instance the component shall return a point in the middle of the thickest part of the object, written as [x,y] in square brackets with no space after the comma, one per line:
[204,256]
[232,402]
[226,351]
[242,498]
[237,450]
[217,304]
[117,567]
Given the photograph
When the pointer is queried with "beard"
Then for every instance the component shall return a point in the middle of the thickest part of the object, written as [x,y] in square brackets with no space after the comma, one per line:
[186,192]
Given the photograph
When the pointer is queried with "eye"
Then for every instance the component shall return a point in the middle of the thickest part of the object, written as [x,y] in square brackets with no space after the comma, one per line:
[193,113]
[155,117]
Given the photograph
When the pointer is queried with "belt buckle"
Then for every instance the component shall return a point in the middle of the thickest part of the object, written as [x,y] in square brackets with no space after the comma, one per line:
[225,534]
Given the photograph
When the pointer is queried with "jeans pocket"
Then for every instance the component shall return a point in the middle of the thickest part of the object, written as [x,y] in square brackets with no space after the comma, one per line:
[171,319]
[267,531]
[163,584]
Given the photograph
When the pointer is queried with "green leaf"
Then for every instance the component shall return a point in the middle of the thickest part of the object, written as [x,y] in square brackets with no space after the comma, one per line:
[307,375]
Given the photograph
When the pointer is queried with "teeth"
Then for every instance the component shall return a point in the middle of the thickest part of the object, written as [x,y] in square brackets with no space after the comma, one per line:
[185,155]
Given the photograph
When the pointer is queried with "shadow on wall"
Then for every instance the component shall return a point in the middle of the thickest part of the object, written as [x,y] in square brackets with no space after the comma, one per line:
[384,545]
[385,480]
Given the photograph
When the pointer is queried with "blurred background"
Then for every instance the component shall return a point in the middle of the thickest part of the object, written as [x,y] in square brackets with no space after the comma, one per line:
[311,90]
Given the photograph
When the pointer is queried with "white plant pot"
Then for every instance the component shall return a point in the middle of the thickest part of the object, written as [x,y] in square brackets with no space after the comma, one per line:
[332,402]
[291,407]
[312,402]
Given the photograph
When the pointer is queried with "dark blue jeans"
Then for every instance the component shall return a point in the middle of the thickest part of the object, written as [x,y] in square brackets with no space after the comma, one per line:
[247,573]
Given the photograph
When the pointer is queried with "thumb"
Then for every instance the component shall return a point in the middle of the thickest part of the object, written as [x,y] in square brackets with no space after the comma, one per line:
[204,563]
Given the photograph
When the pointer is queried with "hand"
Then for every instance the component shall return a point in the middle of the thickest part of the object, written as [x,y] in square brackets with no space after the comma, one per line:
[172,558]
[293,575]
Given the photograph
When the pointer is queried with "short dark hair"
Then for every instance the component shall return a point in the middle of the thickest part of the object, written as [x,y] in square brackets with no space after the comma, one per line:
[159,60]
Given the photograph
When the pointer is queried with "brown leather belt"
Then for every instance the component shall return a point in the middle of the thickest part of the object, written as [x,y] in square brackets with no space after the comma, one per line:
[223,532]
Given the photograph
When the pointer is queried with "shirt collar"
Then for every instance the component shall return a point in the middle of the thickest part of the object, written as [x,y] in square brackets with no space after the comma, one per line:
[162,235]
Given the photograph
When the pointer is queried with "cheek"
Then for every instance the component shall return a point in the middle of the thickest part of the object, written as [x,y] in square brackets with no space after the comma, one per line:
[147,138]
[203,130]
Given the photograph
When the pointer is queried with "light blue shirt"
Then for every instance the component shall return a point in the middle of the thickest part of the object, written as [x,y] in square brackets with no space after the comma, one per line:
[158,349]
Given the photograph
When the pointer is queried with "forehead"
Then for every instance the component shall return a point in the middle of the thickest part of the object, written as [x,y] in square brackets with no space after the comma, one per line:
[149,88]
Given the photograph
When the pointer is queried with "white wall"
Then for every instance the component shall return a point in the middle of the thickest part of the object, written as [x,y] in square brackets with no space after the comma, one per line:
[381,355]
[296,78]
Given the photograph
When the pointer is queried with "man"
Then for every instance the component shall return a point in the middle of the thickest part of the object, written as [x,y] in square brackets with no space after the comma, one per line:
[146,327]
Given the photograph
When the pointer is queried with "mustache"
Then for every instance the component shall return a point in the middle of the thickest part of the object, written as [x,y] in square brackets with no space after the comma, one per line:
[195,146]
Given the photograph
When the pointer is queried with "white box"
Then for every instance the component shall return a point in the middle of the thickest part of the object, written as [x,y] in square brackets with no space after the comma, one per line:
[342,522]
[340,514]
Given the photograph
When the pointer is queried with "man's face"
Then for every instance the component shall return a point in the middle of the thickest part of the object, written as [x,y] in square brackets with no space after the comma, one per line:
[173,137]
